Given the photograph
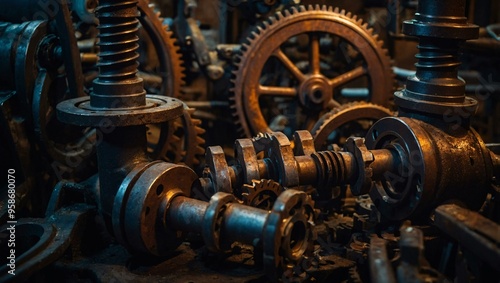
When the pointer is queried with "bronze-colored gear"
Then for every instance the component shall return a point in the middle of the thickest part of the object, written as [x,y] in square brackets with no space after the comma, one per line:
[178,141]
[170,64]
[261,194]
[313,90]
[344,115]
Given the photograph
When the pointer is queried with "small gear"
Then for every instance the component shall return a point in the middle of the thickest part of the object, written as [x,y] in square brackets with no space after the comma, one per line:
[296,63]
[353,119]
[178,141]
[261,194]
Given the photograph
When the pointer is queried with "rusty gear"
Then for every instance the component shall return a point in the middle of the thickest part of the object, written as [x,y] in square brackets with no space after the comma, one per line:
[343,116]
[178,141]
[170,64]
[261,194]
[314,89]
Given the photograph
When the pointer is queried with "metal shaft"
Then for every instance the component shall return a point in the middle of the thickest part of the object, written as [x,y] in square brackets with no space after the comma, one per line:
[186,214]
[245,224]
[117,85]
[438,58]
[239,223]
[436,88]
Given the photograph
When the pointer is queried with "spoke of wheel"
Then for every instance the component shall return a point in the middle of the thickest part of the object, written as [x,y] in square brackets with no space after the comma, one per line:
[347,77]
[314,54]
[276,91]
[289,64]
[332,104]
[309,122]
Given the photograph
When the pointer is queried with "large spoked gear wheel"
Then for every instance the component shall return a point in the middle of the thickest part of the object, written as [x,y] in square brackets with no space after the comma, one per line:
[352,119]
[261,194]
[295,65]
[170,67]
[178,141]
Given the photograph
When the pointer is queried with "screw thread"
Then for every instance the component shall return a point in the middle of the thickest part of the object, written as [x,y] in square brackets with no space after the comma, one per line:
[440,27]
[332,169]
[117,84]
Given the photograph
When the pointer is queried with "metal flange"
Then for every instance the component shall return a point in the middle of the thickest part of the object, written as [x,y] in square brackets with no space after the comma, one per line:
[158,109]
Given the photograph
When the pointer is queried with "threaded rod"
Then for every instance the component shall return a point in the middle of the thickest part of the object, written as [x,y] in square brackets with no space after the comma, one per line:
[117,85]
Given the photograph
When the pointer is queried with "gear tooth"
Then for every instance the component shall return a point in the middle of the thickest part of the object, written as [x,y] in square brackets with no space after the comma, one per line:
[200,150]
[189,110]
[365,26]
[200,140]
[370,30]
[302,8]
[177,122]
[197,123]
[348,14]
[276,17]
[336,10]
[342,12]
[354,17]
[200,131]
[234,72]
[324,8]
[287,13]
[330,9]
[244,47]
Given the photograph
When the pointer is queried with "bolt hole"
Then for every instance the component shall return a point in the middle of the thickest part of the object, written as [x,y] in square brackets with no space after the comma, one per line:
[375,134]
[298,237]
[147,210]
[317,94]
[159,190]
[471,161]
